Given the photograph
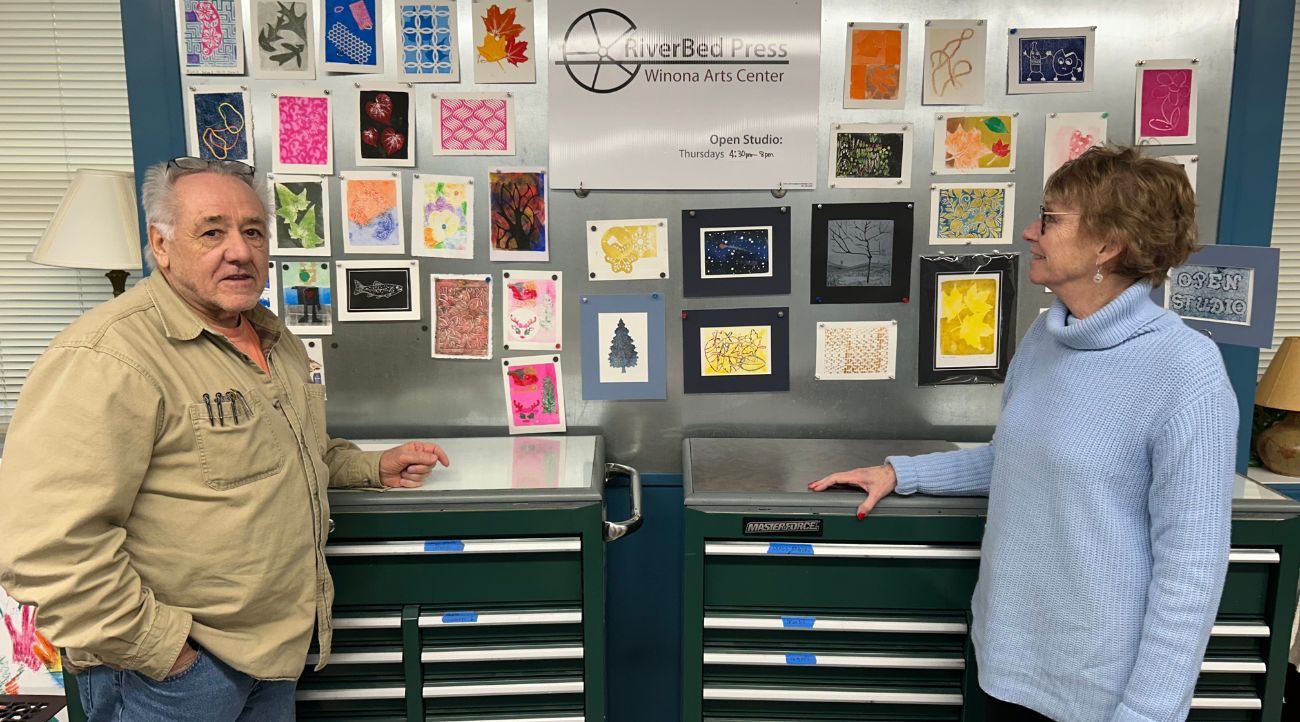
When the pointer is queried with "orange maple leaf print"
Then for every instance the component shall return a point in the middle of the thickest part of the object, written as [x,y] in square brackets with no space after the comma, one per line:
[502,24]
[493,48]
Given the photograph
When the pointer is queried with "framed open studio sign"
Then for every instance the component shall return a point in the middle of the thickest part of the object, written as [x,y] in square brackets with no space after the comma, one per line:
[1229,293]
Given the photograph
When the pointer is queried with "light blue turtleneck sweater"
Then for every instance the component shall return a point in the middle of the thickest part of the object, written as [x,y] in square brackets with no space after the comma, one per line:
[1110,499]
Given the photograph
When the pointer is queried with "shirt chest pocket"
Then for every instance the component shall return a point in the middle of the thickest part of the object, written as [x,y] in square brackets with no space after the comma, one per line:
[236,452]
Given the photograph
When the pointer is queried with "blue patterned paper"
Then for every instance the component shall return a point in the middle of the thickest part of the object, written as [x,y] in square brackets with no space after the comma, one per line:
[221,125]
[351,32]
[1052,60]
[426,37]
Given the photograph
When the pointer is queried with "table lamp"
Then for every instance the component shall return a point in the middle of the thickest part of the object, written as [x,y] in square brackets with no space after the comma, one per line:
[95,227]
[1279,445]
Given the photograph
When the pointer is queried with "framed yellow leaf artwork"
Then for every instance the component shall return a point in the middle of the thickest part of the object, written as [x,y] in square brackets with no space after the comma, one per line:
[968,303]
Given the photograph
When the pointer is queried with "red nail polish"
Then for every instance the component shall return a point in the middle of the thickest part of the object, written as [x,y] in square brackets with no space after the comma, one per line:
[861,516]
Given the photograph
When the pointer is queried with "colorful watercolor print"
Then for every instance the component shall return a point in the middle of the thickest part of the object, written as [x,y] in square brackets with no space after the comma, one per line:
[875,61]
[373,212]
[444,206]
[969,213]
[735,351]
[973,143]
[968,316]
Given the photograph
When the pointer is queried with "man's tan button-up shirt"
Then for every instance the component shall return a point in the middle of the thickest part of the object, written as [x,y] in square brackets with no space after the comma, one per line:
[146,518]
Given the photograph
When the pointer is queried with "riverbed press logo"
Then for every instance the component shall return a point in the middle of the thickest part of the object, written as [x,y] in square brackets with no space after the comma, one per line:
[603,52]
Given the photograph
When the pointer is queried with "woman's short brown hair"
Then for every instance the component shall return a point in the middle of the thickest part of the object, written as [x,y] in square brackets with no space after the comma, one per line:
[1145,206]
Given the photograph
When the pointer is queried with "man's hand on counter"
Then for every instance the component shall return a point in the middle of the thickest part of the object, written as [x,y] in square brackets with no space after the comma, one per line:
[878,481]
[408,464]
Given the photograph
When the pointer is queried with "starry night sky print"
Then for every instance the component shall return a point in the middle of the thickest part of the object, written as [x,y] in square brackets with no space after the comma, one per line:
[733,252]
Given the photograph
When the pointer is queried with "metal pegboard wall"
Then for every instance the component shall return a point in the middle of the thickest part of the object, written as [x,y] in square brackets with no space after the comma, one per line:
[382,382]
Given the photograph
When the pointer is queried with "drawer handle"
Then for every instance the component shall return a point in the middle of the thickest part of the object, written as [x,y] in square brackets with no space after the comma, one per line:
[496,690]
[444,545]
[852,551]
[798,622]
[329,695]
[1254,556]
[1226,703]
[836,625]
[460,618]
[830,695]
[456,546]
[800,658]
[615,530]
[1240,630]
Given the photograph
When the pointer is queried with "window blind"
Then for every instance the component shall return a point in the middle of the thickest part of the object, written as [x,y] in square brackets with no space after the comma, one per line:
[1286,212]
[63,83]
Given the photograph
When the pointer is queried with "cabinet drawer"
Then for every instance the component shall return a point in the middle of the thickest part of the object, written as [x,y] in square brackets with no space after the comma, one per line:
[843,577]
[830,703]
[453,573]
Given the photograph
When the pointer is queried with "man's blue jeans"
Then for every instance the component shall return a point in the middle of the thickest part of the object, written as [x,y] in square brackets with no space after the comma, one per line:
[209,691]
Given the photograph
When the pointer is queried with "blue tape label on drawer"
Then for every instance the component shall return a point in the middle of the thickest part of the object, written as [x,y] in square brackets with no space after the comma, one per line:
[460,617]
[798,622]
[800,658]
[784,548]
[444,545]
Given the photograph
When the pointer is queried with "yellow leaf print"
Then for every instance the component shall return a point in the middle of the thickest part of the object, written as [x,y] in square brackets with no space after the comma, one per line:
[978,298]
[977,333]
[967,316]
[953,302]
[493,48]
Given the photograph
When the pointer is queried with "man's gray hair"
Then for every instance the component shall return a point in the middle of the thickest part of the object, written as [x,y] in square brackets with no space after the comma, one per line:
[157,197]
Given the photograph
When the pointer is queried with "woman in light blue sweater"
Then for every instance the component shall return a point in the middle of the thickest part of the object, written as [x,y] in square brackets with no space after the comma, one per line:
[1110,473]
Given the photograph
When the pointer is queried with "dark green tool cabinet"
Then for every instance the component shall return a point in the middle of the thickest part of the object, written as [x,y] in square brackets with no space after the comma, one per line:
[868,620]
[480,596]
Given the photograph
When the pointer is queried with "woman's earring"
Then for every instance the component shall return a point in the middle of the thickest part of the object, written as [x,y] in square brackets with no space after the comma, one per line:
[1096,278]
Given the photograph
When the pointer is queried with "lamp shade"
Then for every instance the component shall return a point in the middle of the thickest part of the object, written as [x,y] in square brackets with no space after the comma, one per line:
[95,225]
[1280,387]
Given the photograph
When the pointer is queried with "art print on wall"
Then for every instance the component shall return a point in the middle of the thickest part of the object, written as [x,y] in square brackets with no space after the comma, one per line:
[428,37]
[871,155]
[352,41]
[211,42]
[861,252]
[301,212]
[442,209]
[624,353]
[534,387]
[1166,102]
[1188,163]
[1229,293]
[1070,135]
[271,291]
[286,36]
[746,349]
[975,143]
[968,313]
[875,65]
[627,249]
[220,123]
[315,359]
[736,251]
[972,213]
[532,310]
[518,206]
[307,297]
[856,350]
[379,290]
[504,50]
[954,62]
[383,135]
[1050,60]
[474,124]
[304,133]
[372,212]
[461,315]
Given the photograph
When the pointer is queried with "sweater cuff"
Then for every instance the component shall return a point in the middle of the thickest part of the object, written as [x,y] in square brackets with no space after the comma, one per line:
[161,646]
[905,471]
[1124,714]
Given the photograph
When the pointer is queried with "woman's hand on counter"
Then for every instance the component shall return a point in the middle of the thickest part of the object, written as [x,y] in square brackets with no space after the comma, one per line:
[877,481]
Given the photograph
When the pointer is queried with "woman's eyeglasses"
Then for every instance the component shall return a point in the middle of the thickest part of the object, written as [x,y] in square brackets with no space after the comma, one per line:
[188,162]
[1043,213]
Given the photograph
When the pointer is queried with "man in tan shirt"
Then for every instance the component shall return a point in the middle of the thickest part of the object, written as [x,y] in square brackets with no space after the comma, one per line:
[168,466]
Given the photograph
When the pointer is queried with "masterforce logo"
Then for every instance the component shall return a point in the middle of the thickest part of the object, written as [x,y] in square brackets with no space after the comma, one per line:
[793,527]
[604,51]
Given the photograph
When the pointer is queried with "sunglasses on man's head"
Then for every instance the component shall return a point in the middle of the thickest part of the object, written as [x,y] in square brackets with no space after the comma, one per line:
[189,162]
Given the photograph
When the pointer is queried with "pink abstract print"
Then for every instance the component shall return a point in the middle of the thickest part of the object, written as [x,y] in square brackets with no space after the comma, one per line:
[473,124]
[534,395]
[304,130]
[1166,102]
[210,21]
[464,328]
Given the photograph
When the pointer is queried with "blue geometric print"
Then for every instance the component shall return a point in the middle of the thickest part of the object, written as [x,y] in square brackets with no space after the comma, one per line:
[1052,60]
[427,39]
[351,32]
